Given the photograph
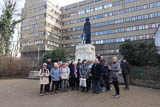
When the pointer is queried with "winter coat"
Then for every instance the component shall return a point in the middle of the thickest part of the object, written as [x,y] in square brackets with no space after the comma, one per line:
[125,68]
[65,72]
[106,72]
[49,66]
[55,74]
[78,69]
[44,79]
[72,74]
[96,71]
[72,71]
[115,69]
[84,71]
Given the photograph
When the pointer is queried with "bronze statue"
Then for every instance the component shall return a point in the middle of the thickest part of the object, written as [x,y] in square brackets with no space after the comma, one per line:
[87,32]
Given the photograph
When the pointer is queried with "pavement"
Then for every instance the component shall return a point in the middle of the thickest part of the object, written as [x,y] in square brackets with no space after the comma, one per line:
[25,93]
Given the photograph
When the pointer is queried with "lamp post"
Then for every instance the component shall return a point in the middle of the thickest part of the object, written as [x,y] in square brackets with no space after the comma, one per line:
[38,53]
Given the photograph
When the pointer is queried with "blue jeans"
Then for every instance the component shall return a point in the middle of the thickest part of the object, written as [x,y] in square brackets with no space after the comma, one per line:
[96,85]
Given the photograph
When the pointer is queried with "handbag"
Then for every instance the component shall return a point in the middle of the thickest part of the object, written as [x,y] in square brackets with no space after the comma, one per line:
[82,82]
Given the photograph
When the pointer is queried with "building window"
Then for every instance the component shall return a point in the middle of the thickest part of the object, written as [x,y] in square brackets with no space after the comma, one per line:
[108,14]
[38,42]
[74,21]
[108,5]
[89,10]
[99,33]
[91,17]
[118,21]
[118,3]
[108,23]
[99,16]
[98,8]
[99,24]
[81,12]
[141,7]
[74,29]
[118,12]
[107,32]
[99,41]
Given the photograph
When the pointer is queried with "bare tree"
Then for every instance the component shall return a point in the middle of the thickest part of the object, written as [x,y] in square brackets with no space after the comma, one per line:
[9,19]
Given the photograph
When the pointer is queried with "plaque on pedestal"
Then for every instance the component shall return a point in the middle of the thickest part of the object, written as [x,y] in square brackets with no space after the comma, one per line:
[85,51]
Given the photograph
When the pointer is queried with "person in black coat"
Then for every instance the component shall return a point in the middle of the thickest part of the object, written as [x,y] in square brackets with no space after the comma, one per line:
[72,79]
[49,67]
[125,72]
[96,71]
[78,74]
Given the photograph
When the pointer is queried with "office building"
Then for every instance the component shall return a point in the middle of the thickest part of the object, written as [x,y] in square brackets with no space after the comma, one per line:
[112,22]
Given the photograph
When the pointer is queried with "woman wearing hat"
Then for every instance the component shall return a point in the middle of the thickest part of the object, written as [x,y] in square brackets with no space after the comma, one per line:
[44,79]
[65,72]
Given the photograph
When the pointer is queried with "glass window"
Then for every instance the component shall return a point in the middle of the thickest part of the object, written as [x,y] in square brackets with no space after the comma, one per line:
[142,37]
[107,41]
[140,27]
[107,32]
[89,10]
[108,5]
[99,41]
[139,17]
[145,16]
[99,16]
[127,10]
[158,3]
[111,40]
[98,8]
[128,19]
[108,14]
[147,36]
[133,18]
[108,23]
[99,33]
[134,28]
[99,24]
[81,12]
[91,17]
[146,26]
[74,28]
[131,9]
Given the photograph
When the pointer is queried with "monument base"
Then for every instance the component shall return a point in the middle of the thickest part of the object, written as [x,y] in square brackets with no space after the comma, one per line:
[86,51]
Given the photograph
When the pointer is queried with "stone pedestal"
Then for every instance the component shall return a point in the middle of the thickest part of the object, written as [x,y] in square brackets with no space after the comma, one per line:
[86,51]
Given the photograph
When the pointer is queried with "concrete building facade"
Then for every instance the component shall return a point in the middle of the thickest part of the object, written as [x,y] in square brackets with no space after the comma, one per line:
[112,21]
[41,28]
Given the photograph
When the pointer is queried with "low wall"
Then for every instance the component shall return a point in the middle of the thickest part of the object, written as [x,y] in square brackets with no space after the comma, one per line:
[146,76]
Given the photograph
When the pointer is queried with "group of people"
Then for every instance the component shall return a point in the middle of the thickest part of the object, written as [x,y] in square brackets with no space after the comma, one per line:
[87,75]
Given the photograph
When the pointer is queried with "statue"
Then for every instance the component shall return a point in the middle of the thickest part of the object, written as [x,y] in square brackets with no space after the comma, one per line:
[87,32]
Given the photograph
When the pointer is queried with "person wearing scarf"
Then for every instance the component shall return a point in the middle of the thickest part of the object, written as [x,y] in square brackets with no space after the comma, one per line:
[84,73]
[114,76]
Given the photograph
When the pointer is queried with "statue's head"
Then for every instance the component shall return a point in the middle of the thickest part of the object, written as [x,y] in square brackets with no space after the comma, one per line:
[87,19]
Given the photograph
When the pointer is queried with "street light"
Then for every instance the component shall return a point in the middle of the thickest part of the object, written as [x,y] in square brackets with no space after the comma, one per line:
[38,53]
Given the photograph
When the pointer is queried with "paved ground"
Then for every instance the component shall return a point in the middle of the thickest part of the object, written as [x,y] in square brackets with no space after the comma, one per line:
[25,93]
